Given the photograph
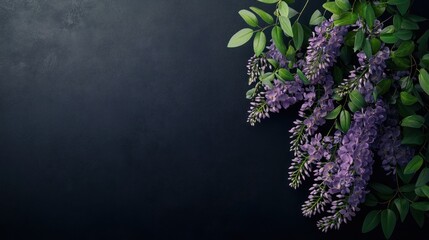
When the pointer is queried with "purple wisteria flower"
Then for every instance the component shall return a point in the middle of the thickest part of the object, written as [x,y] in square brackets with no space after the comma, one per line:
[258,109]
[325,149]
[304,130]
[323,50]
[275,54]
[284,94]
[389,147]
[375,72]
[256,66]
[347,178]
[367,75]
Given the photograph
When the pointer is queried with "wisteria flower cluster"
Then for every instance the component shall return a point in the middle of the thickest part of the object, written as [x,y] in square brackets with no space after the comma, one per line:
[359,72]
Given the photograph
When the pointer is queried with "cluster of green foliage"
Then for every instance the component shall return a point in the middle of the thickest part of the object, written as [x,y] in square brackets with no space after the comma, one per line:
[409,193]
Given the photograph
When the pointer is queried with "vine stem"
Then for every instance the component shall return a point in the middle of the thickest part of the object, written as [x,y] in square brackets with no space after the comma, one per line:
[302,10]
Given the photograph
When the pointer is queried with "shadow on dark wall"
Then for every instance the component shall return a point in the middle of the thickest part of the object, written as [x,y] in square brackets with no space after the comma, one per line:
[126,119]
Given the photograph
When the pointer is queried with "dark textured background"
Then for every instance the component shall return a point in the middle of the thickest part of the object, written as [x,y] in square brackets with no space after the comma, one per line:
[125,119]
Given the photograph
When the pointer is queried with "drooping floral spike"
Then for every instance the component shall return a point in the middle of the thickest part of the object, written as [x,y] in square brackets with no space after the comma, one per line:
[304,130]
[258,109]
[375,72]
[367,75]
[389,147]
[256,66]
[323,50]
[348,176]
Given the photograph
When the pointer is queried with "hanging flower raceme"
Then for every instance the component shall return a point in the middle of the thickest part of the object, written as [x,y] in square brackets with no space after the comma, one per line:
[361,84]
[323,50]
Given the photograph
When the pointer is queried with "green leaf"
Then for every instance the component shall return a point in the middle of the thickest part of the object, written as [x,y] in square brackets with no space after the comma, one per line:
[405,49]
[418,216]
[379,8]
[286,26]
[403,63]
[316,18]
[259,43]
[383,86]
[423,178]
[403,207]
[381,188]
[358,40]
[249,18]
[396,2]
[388,29]
[412,136]
[409,25]
[403,7]
[407,188]
[291,53]
[421,206]
[302,76]
[408,99]
[284,9]
[375,45]
[405,178]
[285,75]
[251,93]
[277,35]
[292,12]
[413,121]
[388,222]
[424,61]
[423,43]
[346,19]
[397,21]
[424,80]
[414,165]
[357,99]
[268,1]
[406,84]
[371,221]
[268,76]
[353,108]
[240,38]
[389,38]
[334,113]
[369,15]
[345,120]
[367,48]
[266,17]
[416,18]
[343,4]
[333,8]
[425,190]
[404,34]
[273,62]
[350,38]
[298,35]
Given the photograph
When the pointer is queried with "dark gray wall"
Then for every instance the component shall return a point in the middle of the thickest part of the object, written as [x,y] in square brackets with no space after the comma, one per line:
[125,119]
